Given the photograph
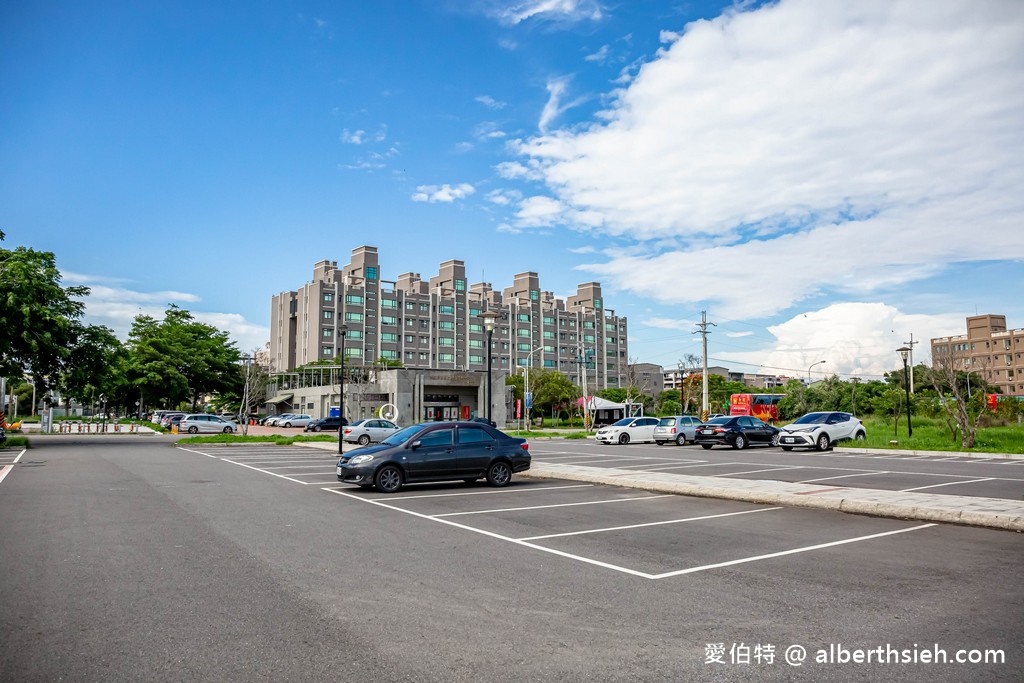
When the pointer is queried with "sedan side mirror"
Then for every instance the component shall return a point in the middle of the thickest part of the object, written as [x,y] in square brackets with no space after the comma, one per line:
[416,444]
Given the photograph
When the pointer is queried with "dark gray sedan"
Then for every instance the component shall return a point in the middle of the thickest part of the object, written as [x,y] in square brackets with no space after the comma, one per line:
[436,451]
[738,431]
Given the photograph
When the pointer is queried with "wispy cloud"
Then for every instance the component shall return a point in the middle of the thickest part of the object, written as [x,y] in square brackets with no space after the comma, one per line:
[490,102]
[552,10]
[600,56]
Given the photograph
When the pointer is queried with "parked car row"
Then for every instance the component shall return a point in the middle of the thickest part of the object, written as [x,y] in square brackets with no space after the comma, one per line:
[818,430]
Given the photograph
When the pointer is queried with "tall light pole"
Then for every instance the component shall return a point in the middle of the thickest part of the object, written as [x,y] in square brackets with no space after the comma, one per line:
[489,319]
[809,370]
[527,399]
[342,329]
[904,351]
[243,413]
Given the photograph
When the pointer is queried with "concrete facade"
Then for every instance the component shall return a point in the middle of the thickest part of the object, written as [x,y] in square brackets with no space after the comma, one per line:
[989,349]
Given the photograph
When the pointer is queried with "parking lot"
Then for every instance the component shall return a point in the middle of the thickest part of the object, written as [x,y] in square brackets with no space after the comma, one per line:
[624,530]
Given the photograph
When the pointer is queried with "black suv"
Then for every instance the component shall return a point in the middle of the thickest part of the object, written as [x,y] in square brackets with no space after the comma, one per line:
[325,424]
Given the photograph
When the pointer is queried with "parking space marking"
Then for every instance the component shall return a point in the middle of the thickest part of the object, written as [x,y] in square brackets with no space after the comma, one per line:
[603,458]
[558,505]
[491,534]
[783,553]
[843,476]
[948,483]
[489,493]
[770,469]
[665,464]
[638,526]
[295,467]
[4,471]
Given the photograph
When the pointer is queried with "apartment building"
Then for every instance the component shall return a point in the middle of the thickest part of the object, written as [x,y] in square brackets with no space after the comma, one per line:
[435,323]
[989,349]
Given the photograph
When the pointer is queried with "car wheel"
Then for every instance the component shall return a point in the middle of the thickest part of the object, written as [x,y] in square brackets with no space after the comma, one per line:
[706,446]
[317,428]
[288,425]
[388,479]
[823,442]
[681,440]
[787,448]
[775,440]
[861,436]
[364,439]
[193,430]
[740,443]
[499,474]
[659,443]
[228,430]
[623,438]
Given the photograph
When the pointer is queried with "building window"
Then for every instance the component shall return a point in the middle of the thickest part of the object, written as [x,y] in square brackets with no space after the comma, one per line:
[388,320]
[409,339]
[597,303]
[476,360]
[523,317]
[588,324]
[409,322]
[328,315]
[460,285]
[389,354]
[446,357]
[424,308]
[549,320]
[354,299]
[388,337]
[354,334]
[476,327]
[352,353]
[445,341]
[473,312]
[327,333]
[353,317]
[549,334]
[388,303]
[445,325]
[424,341]
[328,350]
[423,355]
[549,363]
[328,298]
[522,333]
[410,306]
[476,343]
[535,295]
[371,272]
[446,309]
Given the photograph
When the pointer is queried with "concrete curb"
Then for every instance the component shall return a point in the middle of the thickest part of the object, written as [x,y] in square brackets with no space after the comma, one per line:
[992,513]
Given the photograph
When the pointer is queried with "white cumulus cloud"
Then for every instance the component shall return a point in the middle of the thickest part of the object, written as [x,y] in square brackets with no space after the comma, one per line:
[442,193]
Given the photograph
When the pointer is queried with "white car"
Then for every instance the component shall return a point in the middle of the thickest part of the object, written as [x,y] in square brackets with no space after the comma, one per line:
[628,429]
[300,420]
[821,430]
[203,423]
[275,421]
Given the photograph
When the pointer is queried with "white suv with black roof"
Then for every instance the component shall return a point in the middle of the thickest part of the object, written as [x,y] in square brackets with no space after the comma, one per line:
[820,430]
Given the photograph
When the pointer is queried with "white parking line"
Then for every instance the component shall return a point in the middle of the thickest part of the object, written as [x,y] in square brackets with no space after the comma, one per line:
[843,476]
[296,467]
[805,549]
[485,493]
[603,458]
[669,463]
[948,483]
[559,505]
[770,469]
[4,471]
[638,526]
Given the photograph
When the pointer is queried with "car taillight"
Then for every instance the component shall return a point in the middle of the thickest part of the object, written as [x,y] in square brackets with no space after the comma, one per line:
[672,431]
[525,446]
[719,430]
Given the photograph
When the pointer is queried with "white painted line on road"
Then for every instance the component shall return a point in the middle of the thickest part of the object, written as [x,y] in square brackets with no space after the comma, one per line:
[805,549]
[703,464]
[273,474]
[559,505]
[669,463]
[488,493]
[578,558]
[638,526]
[770,469]
[602,459]
[296,467]
[23,450]
[843,476]
[4,471]
[948,483]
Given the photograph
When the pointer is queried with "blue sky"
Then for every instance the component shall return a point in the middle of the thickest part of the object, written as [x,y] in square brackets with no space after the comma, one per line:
[823,178]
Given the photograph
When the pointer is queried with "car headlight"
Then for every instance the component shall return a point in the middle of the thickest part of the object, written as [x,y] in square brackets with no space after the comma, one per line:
[360,459]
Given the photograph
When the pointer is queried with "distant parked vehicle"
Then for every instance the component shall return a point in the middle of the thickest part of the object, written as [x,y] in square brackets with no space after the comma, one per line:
[300,420]
[363,432]
[325,424]
[275,420]
[206,424]
[628,429]
[820,430]
[738,431]
[676,429]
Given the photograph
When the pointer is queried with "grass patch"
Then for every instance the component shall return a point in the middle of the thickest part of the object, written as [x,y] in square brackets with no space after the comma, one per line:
[932,434]
[15,442]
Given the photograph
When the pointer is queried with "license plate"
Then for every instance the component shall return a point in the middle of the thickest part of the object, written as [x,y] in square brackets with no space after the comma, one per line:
[707,431]
[788,439]
[339,471]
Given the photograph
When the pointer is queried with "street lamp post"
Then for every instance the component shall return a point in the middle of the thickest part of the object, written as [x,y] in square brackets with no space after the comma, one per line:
[904,351]
[809,370]
[527,399]
[342,329]
[489,319]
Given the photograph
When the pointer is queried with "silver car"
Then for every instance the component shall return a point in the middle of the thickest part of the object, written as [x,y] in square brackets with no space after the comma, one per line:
[206,424]
[300,420]
[275,420]
[363,432]
[677,429]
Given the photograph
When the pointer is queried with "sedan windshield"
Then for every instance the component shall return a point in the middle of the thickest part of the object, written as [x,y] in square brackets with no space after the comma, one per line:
[624,422]
[812,418]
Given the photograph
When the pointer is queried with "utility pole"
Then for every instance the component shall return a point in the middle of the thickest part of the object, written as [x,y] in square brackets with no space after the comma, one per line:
[703,325]
[910,345]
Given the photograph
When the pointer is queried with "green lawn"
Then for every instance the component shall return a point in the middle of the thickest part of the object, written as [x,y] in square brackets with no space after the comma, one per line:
[933,435]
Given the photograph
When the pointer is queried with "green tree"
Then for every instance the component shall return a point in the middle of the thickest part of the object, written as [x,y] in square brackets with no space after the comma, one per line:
[553,391]
[39,318]
[90,367]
